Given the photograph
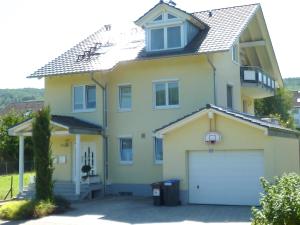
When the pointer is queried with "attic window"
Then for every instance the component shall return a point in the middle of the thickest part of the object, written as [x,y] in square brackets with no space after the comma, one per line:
[165,38]
[159,18]
[170,16]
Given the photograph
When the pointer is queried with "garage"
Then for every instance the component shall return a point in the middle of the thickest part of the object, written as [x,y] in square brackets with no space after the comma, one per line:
[225,177]
[219,155]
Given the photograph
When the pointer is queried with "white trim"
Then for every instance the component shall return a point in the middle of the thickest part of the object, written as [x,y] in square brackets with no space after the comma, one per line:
[21,163]
[167,105]
[17,130]
[118,100]
[122,162]
[156,162]
[197,115]
[249,44]
[84,109]
[77,164]
[237,61]
[167,9]
[165,27]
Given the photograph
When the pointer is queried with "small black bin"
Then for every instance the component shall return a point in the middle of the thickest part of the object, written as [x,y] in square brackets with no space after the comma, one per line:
[157,193]
[171,192]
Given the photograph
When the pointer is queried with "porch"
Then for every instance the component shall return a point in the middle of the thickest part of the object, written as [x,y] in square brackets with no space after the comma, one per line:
[74,143]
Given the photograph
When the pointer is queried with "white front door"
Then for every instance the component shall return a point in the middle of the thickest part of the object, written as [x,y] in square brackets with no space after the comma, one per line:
[88,157]
[225,177]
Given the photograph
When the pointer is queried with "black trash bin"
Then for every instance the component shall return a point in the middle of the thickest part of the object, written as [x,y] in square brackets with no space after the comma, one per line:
[171,192]
[157,193]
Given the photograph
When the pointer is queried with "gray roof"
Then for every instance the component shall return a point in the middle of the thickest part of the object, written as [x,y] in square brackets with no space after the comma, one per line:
[243,116]
[127,42]
[76,125]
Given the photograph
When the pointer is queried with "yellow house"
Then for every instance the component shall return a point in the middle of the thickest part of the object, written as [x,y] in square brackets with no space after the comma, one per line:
[168,96]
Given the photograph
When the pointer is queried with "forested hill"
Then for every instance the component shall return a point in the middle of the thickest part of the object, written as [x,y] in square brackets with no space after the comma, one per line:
[20,95]
[292,84]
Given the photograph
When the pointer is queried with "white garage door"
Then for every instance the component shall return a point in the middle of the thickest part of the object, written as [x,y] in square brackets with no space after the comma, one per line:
[225,177]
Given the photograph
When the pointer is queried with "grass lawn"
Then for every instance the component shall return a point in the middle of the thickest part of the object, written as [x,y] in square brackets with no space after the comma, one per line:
[5,183]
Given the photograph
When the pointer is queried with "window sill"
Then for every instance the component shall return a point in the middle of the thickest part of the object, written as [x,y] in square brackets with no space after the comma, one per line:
[124,110]
[167,107]
[126,163]
[84,111]
[158,162]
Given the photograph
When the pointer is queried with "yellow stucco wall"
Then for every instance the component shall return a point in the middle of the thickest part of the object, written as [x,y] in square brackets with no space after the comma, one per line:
[195,77]
[63,172]
[280,154]
[227,73]
[59,92]
[195,90]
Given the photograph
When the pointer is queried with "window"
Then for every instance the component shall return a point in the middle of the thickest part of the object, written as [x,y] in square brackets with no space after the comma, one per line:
[84,98]
[125,97]
[229,96]
[157,39]
[158,150]
[165,38]
[126,150]
[235,53]
[174,37]
[166,94]
[170,16]
[159,18]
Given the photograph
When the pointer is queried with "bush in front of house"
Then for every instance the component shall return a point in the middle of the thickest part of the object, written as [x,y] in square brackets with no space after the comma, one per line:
[26,209]
[41,133]
[280,204]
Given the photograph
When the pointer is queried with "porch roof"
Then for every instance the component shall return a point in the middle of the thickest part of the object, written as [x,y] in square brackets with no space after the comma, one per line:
[60,125]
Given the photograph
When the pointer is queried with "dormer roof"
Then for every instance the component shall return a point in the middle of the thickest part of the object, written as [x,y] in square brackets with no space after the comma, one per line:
[162,7]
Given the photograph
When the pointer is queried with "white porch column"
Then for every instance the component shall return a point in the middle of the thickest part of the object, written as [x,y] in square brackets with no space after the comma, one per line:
[77,164]
[21,163]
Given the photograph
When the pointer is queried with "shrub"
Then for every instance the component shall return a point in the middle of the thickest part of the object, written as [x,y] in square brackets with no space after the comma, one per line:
[17,210]
[43,208]
[42,154]
[26,209]
[280,204]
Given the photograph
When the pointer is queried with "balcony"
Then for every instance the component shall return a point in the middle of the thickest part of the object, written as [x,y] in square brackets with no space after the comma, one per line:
[256,83]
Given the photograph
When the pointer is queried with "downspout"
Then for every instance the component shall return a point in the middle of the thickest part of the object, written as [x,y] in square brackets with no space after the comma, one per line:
[104,122]
[214,77]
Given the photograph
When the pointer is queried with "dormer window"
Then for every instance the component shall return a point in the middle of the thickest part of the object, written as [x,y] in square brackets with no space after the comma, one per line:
[168,28]
[165,38]
[170,16]
[159,18]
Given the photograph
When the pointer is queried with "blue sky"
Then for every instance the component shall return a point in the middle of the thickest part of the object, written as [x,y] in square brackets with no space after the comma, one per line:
[33,32]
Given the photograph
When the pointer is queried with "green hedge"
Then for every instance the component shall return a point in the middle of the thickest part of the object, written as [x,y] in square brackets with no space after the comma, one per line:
[280,204]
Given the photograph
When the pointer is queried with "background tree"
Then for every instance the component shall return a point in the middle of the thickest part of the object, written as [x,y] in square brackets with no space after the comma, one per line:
[42,154]
[277,106]
[9,145]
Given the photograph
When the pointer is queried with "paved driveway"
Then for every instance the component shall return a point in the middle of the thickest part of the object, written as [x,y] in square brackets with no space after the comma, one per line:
[132,210]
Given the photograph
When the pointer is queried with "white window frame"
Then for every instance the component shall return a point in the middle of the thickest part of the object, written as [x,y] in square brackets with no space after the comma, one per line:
[235,52]
[84,109]
[119,97]
[159,162]
[167,106]
[119,149]
[165,28]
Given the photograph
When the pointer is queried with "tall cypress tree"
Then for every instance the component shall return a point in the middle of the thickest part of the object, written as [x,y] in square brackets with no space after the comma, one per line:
[41,133]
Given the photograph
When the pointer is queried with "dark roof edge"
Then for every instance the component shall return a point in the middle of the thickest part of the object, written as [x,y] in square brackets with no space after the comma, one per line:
[272,131]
